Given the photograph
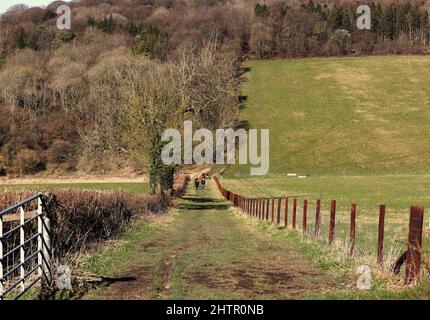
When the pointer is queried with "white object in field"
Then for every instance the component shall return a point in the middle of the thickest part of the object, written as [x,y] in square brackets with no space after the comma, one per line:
[64,278]
[364,281]
[302,177]
[291,174]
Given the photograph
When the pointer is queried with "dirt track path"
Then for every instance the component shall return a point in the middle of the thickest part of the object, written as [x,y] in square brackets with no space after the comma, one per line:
[206,251]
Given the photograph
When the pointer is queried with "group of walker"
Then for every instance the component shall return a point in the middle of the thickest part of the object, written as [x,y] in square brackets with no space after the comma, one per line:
[201,180]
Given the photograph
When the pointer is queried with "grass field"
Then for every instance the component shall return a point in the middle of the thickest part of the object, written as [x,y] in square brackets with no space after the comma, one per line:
[355,115]
[358,126]
[134,187]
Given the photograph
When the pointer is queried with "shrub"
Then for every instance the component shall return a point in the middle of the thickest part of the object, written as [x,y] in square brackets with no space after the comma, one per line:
[342,38]
[27,161]
[62,153]
[3,167]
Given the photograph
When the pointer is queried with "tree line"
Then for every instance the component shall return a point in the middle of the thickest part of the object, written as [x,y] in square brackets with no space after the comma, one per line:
[280,30]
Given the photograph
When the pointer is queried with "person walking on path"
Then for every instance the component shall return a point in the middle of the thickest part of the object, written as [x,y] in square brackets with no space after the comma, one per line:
[196,183]
[203,182]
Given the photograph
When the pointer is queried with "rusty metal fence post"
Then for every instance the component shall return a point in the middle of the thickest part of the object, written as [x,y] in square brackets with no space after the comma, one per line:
[381,225]
[413,256]
[273,210]
[294,213]
[260,213]
[332,224]
[317,218]
[267,209]
[305,216]
[278,214]
[259,209]
[286,212]
[352,229]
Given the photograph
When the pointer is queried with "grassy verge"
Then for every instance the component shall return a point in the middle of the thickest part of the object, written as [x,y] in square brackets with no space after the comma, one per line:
[115,256]
[341,268]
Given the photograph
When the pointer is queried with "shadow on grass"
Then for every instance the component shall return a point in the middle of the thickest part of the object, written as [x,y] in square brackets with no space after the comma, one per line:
[191,206]
[201,202]
[202,199]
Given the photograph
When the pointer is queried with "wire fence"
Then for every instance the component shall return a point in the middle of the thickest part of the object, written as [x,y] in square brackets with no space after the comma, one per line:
[312,219]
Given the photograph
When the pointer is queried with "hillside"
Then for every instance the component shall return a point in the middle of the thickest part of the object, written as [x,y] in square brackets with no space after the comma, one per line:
[62,109]
[355,115]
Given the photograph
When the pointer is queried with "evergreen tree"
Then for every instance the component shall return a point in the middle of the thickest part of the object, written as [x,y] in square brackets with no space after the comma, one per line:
[424,19]
[346,21]
[401,18]
[414,17]
[335,18]
[375,18]
[389,22]
[20,38]
[3,53]
[311,6]
[261,10]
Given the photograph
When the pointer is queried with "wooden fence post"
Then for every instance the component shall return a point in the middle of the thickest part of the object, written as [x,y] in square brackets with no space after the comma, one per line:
[278,217]
[267,209]
[332,222]
[305,216]
[294,213]
[286,212]
[317,218]
[352,230]
[262,209]
[259,209]
[273,210]
[413,256]
[381,233]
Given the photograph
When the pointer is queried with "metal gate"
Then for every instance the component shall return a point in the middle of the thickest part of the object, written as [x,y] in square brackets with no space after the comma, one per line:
[25,247]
